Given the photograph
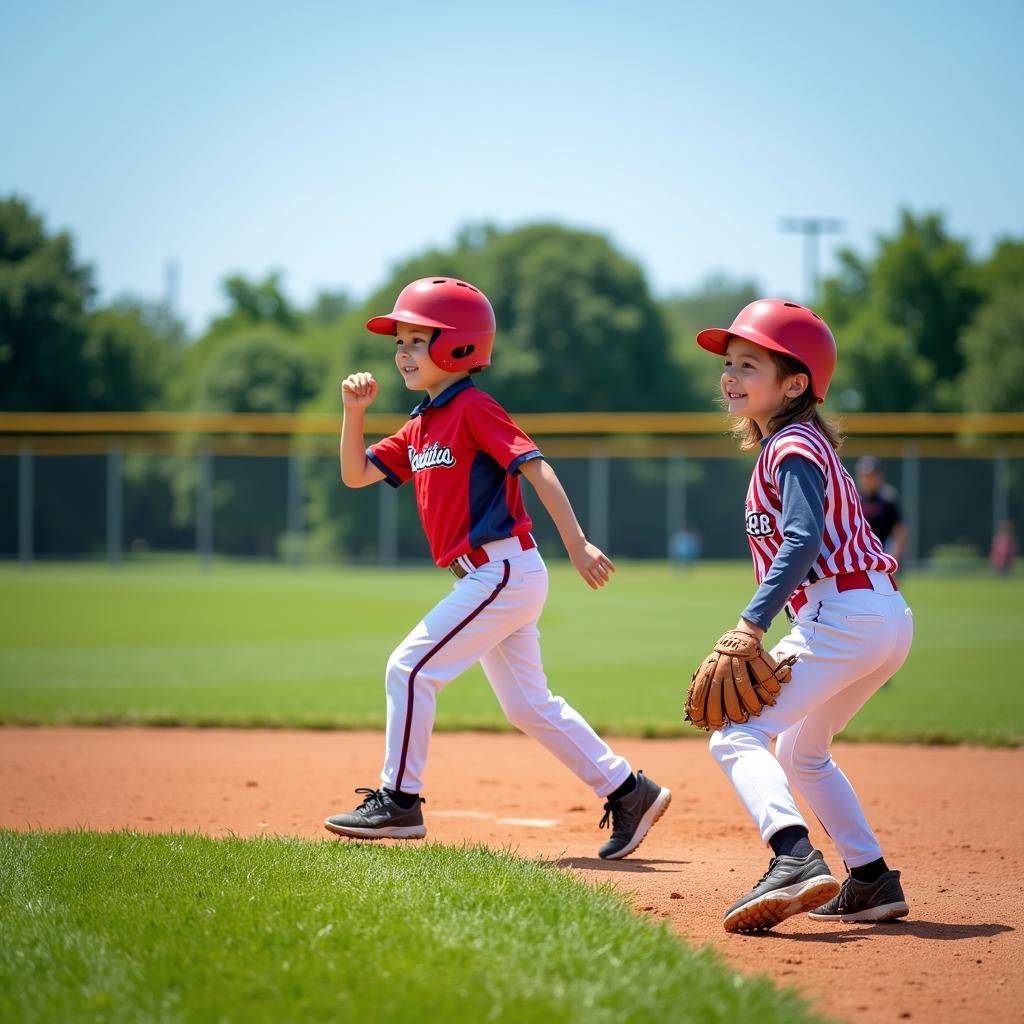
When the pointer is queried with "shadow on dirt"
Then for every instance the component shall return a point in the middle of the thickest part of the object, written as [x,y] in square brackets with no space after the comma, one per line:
[936,931]
[633,865]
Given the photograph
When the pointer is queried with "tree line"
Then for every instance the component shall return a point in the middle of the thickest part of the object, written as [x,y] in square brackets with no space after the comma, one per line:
[923,324]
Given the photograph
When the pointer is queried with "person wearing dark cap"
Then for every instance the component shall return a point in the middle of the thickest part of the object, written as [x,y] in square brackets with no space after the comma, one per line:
[881,503]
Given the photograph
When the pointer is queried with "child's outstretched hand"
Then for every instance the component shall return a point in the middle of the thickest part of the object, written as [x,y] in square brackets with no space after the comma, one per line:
[592,564]
[358,390]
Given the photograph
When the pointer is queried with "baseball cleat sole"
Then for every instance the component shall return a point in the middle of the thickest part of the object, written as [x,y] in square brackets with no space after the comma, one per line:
[886,912]
[393,832]
[774,907]
[652,814]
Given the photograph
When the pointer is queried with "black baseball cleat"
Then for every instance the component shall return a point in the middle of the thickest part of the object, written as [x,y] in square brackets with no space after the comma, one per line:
[791,885]
[379,817]
[632,816]
[881,900]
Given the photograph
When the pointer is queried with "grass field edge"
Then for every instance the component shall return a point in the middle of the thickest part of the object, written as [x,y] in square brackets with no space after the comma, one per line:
[598,897]
[928,738]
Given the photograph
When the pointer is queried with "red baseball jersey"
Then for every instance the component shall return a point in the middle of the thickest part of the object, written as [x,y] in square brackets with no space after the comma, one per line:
[847,545]
[464,453]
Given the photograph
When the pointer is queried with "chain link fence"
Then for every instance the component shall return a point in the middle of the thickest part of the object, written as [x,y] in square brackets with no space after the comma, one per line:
[281,498]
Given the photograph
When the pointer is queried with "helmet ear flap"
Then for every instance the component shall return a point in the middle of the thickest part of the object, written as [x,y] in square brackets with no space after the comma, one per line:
[458,315]
[457,353]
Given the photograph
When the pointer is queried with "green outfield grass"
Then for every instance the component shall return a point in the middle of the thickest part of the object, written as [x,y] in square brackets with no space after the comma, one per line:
[266,645]
[129,927]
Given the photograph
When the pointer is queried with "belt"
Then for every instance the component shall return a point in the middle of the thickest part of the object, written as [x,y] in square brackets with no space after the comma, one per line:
[859,580]
[465,564]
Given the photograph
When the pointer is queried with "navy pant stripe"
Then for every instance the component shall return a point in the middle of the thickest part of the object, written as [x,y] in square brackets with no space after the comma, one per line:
[426,657]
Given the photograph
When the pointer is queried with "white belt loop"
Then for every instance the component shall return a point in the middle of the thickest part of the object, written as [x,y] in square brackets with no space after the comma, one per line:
[498,550]
[822,589]
[881,581]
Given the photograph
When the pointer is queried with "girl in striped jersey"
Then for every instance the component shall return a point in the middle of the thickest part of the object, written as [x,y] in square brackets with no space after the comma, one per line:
[816,556]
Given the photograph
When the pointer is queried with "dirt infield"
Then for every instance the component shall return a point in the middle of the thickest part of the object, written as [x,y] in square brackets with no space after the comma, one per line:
[951,818]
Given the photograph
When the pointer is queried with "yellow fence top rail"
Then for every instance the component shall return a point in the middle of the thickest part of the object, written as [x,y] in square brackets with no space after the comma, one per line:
[542,424]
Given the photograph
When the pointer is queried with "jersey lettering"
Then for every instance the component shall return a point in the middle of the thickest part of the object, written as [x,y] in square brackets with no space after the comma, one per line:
[435,455]
[463,453]
[759,524]
[847,544]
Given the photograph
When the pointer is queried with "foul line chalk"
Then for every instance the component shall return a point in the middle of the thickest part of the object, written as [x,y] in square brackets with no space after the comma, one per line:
[529,822]
[483,816]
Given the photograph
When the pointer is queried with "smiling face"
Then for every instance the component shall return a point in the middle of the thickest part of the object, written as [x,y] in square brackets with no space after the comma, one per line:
[752,386]
[412,357]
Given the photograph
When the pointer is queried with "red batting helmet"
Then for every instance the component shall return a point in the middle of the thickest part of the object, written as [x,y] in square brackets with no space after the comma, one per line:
[456,309]
[782,327]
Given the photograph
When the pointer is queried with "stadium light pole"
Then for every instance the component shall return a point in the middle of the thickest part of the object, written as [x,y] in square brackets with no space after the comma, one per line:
[812,228]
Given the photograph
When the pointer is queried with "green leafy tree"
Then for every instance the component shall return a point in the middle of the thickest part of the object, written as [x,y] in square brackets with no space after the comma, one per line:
[920,282]
[45,293]
[58,352]
[254,306]
[1003,270]
[578,328]
[993,348]
[253,303]
[132,349]
[848,291]
[714,303]
[879,367]
[922,277]
[262,371]
[330,306]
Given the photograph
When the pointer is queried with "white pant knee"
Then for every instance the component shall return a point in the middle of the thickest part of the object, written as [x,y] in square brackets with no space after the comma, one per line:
[396,676]
[801,763]
[725,745]
[397,672]
[527,716]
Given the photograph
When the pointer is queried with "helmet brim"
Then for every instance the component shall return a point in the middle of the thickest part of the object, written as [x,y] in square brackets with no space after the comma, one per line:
[716,339]
[389,324]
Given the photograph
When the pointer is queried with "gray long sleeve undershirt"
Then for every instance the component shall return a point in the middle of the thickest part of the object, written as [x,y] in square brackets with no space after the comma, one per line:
[802,489]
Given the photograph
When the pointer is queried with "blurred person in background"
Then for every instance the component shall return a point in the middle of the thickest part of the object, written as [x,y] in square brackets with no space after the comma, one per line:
[685,546]
[881,503]
[1004,549]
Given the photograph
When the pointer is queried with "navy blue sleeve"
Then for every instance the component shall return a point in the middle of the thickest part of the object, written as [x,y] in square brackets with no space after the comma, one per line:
[516,465]
[802,489]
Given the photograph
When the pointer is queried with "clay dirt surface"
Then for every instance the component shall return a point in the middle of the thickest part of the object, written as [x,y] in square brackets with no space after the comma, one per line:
[951,818]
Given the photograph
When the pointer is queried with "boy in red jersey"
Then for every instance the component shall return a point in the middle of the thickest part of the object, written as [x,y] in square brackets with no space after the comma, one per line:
[814,554]
[465,454]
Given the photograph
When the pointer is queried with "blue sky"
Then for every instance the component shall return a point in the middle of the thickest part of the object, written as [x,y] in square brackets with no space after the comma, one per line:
[331,141]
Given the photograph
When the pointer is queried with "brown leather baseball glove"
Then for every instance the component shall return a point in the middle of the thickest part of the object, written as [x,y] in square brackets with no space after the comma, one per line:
[735,682]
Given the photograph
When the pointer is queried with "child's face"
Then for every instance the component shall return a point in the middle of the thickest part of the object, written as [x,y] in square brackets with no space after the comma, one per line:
[751,383]
[412,357]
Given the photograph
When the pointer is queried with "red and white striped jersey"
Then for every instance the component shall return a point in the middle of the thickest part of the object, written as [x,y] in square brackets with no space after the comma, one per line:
[848,543]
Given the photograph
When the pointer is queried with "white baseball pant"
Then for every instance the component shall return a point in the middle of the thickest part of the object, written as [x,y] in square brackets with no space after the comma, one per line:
[491,617]
[847,645]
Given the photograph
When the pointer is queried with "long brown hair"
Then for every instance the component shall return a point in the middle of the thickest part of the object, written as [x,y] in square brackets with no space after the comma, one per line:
[802,409]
